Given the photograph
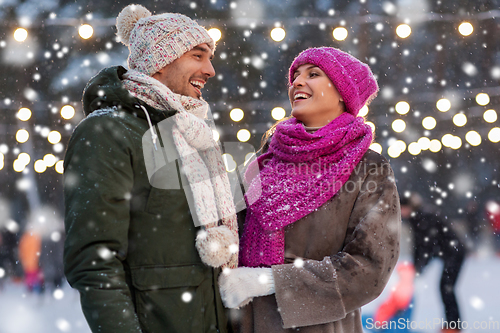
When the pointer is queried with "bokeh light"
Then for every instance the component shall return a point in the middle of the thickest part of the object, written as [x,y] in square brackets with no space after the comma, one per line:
[396,148]
[398,125]
[435,146]
[401,144]
[215,33]
[494,134]
[40,166]
[278,113]
[402,107]
[24,158]
[490,116]
[424,143]
[429,123]
[60,167]
[22,136]
[243,135]
[20,34]
[443,105]
[49,160]
[340,33]
[473,138]
[376,147]
[403,30]
[86,31]
[363,111]
[447,140]
[18,165]
[67,112]
[54,137]
[414,148]
[236,114]
[460,119]
[482,99]
[465,28]
[24,114]
[456,142]
[393,151]
[278,34]
[248,158]
[372,125]
[229,162]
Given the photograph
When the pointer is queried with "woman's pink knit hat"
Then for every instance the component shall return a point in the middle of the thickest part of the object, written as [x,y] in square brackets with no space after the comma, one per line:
[353,79]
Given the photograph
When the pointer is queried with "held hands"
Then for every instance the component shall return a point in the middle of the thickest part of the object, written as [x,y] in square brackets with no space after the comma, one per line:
[240,285]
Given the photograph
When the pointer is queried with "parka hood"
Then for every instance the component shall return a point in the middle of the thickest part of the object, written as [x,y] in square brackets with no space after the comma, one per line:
[106,90]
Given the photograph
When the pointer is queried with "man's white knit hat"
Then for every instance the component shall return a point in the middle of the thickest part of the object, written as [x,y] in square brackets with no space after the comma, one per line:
[155,41]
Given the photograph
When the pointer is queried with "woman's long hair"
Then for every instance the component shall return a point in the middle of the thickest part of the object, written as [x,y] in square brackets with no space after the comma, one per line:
[269,133]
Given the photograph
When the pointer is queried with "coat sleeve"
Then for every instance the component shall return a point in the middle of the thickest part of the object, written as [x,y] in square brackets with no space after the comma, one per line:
[320,292]
[98,181]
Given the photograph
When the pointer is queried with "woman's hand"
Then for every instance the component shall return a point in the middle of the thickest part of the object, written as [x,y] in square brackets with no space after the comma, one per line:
[240,285]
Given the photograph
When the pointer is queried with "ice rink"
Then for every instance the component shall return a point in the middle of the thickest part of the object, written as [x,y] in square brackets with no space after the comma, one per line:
[477,292]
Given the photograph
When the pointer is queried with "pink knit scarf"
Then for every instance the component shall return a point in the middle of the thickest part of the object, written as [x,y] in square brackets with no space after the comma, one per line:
[298,174]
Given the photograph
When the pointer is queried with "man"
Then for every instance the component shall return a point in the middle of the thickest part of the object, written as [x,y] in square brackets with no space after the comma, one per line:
[130,247]
[434,237]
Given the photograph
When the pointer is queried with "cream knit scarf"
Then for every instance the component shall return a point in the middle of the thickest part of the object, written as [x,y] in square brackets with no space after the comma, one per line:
[202,164]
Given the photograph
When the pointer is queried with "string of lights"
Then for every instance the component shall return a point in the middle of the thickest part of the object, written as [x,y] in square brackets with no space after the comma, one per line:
[277,32]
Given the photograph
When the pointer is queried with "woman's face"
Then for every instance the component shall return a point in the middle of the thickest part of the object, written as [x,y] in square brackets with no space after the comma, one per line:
[315,100]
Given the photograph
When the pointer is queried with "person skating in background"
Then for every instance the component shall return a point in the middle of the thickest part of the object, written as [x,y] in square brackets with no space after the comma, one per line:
[397,308]
[30,245]
[50,227]
[434,237]
[41,250]
[492,209]
[9,231]
[132,249]
[321,238]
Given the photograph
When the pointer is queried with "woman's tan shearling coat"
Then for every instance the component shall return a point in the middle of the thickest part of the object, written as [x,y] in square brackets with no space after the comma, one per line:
[337,259]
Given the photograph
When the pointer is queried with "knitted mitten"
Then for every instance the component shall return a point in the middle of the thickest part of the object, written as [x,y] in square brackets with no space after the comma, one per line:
[218,246]
[240,285]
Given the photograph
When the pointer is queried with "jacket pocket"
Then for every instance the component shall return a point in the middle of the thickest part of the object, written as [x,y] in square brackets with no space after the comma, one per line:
[174,299]
[153,278]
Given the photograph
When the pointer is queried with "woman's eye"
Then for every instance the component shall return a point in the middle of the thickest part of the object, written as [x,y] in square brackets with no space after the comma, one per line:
[313,74]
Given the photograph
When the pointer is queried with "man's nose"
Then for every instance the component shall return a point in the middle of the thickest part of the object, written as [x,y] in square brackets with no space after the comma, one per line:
[208,69]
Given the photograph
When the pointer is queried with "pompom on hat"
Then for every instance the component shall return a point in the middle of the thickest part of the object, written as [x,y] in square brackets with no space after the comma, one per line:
[155,41]
[353,79]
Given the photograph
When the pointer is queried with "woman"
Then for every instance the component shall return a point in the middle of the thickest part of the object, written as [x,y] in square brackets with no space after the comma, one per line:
[321,233]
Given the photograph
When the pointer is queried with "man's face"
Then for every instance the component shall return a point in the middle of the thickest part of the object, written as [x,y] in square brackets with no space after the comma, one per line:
[188,74]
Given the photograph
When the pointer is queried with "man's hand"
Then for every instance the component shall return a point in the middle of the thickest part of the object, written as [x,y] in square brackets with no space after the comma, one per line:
[240,285]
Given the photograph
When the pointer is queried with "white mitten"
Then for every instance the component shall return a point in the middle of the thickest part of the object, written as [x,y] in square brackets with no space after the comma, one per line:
[240,285]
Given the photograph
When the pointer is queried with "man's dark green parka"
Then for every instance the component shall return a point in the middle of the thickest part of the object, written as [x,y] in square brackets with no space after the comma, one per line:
[130,248]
